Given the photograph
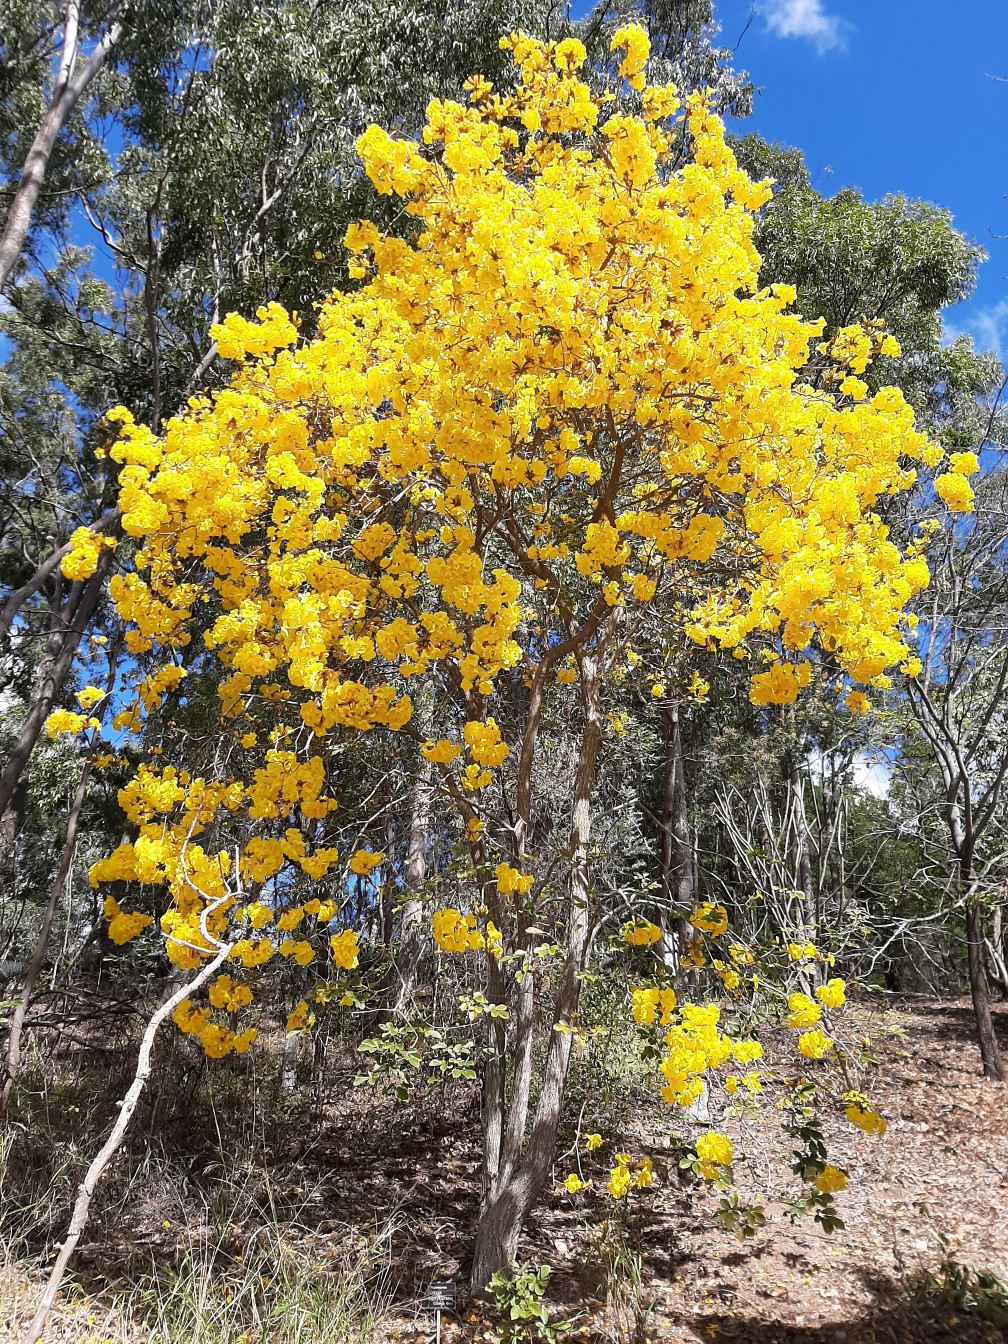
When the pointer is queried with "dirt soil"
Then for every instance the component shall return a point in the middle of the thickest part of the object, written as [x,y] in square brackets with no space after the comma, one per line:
[926,1204]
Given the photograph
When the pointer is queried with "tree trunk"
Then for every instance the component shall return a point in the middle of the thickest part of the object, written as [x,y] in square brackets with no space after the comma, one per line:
[68,89]
[289,1063]
[990,1055]
[12,1062]
[411,928]
[996,955]
[677,868]
[69,624]
[517,1186]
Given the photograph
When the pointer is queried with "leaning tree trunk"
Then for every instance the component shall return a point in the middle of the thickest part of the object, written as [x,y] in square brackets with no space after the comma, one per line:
[71,82]
[108,1150]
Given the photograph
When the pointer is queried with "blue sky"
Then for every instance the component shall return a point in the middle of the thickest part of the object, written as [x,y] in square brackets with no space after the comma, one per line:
[893,96]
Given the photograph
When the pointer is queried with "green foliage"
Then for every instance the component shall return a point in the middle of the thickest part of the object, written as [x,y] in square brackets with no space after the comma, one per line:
[401,1053]
[518,1297]
[972,1290]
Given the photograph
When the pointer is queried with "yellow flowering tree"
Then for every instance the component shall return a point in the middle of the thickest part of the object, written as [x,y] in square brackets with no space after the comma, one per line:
[561,404]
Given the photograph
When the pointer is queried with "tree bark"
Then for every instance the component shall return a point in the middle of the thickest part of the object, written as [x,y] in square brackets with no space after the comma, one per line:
[69,625]
[677,870]
[515,1190]
[990,1055]
[12,1062]
[411,928]
[71,82]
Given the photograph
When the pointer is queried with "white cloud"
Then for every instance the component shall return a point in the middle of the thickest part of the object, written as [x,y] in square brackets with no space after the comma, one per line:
[987,326]
[872,773]
[805,18]
[871,770]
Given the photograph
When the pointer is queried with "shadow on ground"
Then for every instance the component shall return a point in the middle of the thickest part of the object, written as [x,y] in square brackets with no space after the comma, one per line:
[899,1312]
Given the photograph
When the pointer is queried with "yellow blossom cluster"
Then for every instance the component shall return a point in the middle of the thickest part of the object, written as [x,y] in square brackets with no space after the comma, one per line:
[815,1044]
[86,546]
[229,996]
[455,932]
[653,1003]
[802,1011]
[217,1040]
[693,1045]
[567,393]
[123,926]
[63,721]
[345,949]
[802,951]
[640,932]
[714,1153]
[710,918]
[627,1175]
[511,881]
[833,994]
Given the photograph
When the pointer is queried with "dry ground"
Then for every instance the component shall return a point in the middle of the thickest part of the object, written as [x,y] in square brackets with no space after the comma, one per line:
[401,1194]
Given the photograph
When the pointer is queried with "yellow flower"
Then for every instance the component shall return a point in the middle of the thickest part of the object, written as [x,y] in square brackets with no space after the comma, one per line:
[710,918]
[714,1152]
[802,1011]
[641,932]
[62,721]
[955,492]
[832,994]
[830,1180]
[866,1119]
[815,1044]
[363,861]
[345,950]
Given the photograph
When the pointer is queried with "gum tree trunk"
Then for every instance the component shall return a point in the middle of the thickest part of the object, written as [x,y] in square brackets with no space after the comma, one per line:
[71,81]
[523,1172]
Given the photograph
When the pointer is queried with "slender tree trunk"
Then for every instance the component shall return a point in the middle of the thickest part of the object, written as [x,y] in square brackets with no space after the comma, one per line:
[289,1063]
[960,824]
[411,928]
[12,1062]
[68,627]
[494,1082]
[71,82]
[514,1192]
[990,1055]
[996,957]
[677,868]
